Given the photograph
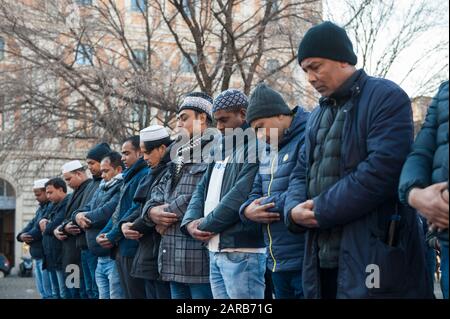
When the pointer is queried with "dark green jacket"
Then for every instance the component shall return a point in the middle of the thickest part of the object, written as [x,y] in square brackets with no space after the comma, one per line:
[427,164]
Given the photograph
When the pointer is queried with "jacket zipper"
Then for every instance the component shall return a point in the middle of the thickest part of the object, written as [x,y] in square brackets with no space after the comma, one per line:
[268,225]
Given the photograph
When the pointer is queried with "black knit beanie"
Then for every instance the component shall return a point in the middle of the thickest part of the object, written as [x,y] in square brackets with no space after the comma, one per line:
[98,152]
[266,102]
[329,41]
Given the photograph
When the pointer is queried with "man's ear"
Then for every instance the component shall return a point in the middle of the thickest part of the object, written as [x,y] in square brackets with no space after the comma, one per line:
[203,118]
[243,113]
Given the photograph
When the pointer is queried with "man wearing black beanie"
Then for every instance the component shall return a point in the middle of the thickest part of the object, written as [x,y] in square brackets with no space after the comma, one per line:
[356,142]
[94,157]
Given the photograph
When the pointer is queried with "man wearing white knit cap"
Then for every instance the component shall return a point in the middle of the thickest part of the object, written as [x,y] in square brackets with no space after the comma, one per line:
[32,235]
[155,141]
[75,175]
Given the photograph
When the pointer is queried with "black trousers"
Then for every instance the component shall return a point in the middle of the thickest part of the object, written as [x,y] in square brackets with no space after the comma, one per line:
[133,288]
[156,289]
[328,283]
[268,292]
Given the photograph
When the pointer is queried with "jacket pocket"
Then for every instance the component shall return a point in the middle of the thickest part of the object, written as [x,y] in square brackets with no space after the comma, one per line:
[198,169]
[236,257]
[387,269]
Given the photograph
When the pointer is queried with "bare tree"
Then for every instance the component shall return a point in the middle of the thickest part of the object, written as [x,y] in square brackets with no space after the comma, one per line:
[389,38]
[77,72]
[98,70]
[233,40]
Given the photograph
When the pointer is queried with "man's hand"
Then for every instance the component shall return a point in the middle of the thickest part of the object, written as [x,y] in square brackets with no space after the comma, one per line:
[83,221]
[303,214]
[129,233]
[258,213]
[72,229]
[200,235]
[161,229]
[43,224]
[161,217]
[431,203]
[103,241]
[59,234]
[26,238]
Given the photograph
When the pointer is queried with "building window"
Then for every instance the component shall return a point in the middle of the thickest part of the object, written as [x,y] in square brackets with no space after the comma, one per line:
[140,57]
[84,2]
[186,67]
[187,8]
[2,117]
[2,48]
[84,55]
[275,4]
[6,190]
[138,5]
[272,65]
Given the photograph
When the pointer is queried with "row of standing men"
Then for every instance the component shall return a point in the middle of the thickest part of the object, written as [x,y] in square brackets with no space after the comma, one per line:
[331,214]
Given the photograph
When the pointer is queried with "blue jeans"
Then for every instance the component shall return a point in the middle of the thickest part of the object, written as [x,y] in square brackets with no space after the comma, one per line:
[288,284]
[237,275]
[107,279]
[444,268]
[59,290]
[89,264]
[190,291]
[43,284]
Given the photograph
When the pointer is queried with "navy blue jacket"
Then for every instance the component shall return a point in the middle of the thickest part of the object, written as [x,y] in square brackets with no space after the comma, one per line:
[126,206]
[376,138]
[285,249]
[52,246]
[32,229]
[99,211]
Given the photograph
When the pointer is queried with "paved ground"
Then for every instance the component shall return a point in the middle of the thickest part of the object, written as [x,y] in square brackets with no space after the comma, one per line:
[14,287]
